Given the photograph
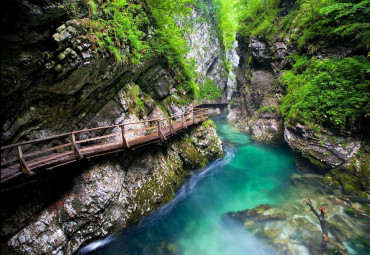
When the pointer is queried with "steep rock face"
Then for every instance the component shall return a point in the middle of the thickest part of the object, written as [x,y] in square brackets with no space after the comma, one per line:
[258,91]
[115,192]
[55,80]
[233,57]
[67,88]
[208,51]
[322,148]
[338,156]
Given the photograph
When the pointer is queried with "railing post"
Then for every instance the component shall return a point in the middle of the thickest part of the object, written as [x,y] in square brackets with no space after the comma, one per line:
[159,129]
[124,141]
[184,122]
[22,162]
[171,128]
[74,146]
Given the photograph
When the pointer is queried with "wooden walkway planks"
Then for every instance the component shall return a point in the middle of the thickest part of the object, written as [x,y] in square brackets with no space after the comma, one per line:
[13,166]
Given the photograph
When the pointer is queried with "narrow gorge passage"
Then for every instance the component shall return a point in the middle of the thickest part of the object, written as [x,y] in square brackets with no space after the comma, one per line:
[193,223]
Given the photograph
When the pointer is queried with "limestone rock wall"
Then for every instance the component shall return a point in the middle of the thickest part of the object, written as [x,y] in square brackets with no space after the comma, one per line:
[116,191]
[258,93]
[208,52]
[54,81]
[342,155]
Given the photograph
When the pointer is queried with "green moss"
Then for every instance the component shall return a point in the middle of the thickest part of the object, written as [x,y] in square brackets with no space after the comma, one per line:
[209,90]
[138,104]
[163,108]
[315,161]
[209,124]
[270,109]
[330,92]
[153,185]
[352,183]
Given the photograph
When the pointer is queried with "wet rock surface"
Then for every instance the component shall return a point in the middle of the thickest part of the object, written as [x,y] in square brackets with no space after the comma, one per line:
[258,90]
[289,228]
[115,192]
[324,147]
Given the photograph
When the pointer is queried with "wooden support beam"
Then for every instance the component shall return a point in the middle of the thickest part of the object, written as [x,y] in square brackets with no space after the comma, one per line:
[184,122]
[75,148]
[125,143]
[172,131]
[22,162]
[163,138]
[160,134]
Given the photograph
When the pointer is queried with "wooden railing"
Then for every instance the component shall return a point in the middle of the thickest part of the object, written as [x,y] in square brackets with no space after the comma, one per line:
[27,157]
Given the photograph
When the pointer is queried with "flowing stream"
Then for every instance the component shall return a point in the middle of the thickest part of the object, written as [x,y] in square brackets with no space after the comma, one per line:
[192,223]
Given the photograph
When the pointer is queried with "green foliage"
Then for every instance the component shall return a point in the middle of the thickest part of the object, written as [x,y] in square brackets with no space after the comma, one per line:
[270,109]
[330,21]
[332,92]
[124,28]
[119,27]
[209,90]
[225,11]
[134,95]
[310,22]
[254,20]
[169,40]
[209,124]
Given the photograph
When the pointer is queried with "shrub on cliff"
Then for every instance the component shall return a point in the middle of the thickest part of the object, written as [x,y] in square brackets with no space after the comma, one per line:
[331,92]
[132,30]
[209,90]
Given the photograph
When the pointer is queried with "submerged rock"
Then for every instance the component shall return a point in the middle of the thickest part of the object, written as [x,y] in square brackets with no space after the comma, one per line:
[289,228]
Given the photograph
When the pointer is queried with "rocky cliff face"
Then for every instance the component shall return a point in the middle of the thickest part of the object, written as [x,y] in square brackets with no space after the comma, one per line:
[116,191]
[55,80]
[257,98]
[258,92]
[59,81]
[209,54]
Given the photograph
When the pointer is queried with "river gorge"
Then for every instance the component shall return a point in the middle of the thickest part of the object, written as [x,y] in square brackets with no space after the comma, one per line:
[250,174]
[105,148]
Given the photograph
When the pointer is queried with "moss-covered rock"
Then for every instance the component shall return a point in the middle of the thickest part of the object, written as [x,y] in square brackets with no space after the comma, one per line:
[354,177]
[117,191]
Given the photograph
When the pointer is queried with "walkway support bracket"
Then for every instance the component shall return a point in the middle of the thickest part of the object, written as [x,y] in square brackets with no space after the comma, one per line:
[22,162]
[159,129]
[172,131]
[125,143]
[184,122]
[75,148]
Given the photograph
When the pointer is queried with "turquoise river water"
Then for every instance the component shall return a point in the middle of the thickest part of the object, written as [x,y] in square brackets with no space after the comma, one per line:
[250,174]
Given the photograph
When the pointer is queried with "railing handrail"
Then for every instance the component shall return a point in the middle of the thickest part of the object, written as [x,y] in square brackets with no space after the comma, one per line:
[195,110]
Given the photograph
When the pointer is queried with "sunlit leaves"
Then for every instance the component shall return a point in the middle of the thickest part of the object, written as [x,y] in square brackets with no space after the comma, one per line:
[332,92]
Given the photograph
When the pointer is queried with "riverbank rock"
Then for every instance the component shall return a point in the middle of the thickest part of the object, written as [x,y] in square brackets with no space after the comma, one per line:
[323,147]
[336,155]
[115,192]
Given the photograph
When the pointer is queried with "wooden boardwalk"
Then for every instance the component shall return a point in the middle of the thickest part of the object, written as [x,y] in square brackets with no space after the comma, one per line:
[28,158]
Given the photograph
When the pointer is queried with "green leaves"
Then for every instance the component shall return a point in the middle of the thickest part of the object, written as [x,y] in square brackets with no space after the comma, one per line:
[332,92]
[209,90]
[120,27]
